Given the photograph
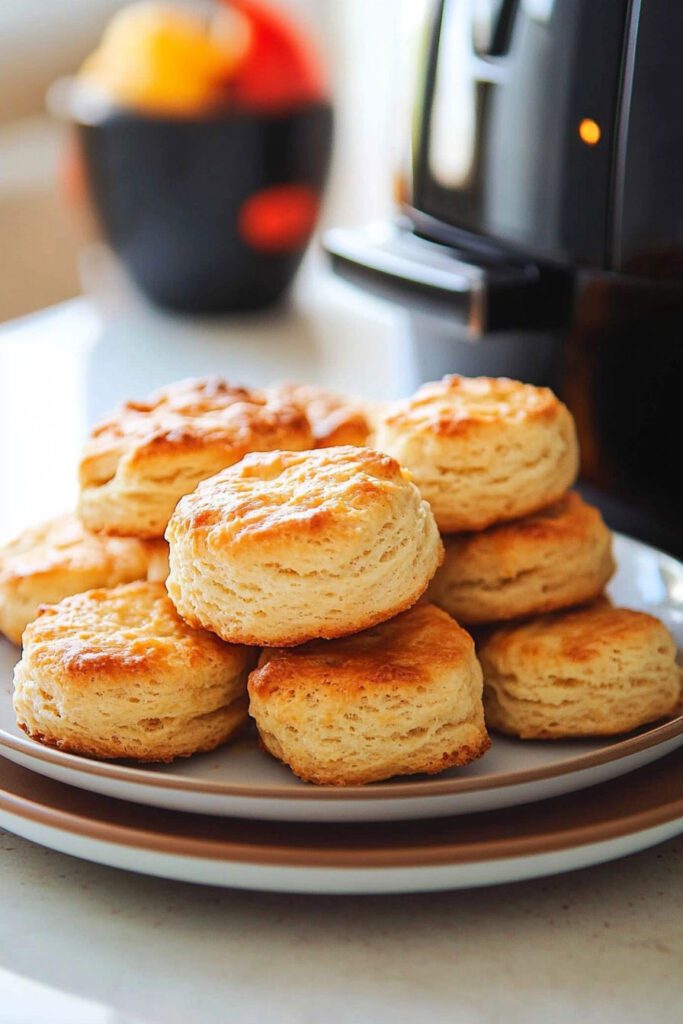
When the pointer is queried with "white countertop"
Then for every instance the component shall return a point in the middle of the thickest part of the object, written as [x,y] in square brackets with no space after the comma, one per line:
[602,945]
[599,946]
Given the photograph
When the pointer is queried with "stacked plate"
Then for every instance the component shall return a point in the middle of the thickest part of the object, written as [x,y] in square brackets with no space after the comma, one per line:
[238,818]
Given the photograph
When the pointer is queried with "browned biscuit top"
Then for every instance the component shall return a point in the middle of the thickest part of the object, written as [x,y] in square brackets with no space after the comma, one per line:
[63,546]
[335,419]
[190,415]
[578,637]
[114,634]
[456,405]
[564,524]
[276,496]
[409,651]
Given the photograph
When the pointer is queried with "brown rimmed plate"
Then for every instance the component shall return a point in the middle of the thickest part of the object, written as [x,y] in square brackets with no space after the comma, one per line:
[242,781]
[620,817]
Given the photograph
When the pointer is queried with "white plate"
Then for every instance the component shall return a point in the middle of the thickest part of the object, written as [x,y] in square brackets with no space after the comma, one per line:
[242,781]
[621,817]
[336,881]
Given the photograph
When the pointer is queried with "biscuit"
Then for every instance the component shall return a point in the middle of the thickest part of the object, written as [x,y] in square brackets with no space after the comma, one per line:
[138,464]
[482,450]
[287,547]
[117,674]
[60,558]
[335,419]
[555,558]
[398,699]
[595,671]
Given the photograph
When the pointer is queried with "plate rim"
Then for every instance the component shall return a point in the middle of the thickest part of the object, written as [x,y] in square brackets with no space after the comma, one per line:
[646,738]
[283,855]
[452,786]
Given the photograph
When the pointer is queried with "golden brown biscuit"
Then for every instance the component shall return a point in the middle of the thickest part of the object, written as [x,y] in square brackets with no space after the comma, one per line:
[116,673]
[555,558]
[335,419]
[482,450]
[398,699]
[59,558]
[595,671]
[287,547]
[138,464]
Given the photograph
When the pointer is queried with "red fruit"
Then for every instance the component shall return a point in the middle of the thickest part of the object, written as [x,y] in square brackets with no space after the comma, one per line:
[281,69]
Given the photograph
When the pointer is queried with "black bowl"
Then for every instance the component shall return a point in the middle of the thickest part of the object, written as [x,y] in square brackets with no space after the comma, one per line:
[170,196]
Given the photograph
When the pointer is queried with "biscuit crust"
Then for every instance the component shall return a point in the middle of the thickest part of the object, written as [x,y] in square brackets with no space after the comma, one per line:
[59,558]
[288,547]
[138,463]
[335,419]
[117,674]
[555,558]
[401,698]
[482,450]
[595,671]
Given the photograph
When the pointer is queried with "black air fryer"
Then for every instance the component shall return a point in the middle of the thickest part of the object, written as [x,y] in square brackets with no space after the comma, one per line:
[541,233]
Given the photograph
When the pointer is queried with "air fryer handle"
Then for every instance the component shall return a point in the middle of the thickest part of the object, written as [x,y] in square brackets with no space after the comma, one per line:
[397,264]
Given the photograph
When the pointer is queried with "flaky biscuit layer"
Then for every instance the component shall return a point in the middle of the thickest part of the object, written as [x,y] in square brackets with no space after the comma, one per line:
[138,463]
[117,674]
[482,450]
[286,547]
[401,698]
[59,558]
[595,671]
[555,558]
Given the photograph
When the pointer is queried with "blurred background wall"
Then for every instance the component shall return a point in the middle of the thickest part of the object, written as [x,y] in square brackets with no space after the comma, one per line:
[368,44]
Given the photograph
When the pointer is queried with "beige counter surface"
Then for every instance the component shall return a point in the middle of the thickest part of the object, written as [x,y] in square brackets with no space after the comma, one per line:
[598,946]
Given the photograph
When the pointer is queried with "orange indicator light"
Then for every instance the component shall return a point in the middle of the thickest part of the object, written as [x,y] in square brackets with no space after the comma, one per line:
[589,131]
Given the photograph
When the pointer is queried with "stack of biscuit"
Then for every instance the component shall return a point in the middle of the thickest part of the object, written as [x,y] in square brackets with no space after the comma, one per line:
[319,558]
[308,585]
[109,669]
[495,459]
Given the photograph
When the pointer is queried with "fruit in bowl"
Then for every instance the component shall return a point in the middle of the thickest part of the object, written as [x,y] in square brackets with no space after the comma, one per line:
[160,58]
[205,142]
